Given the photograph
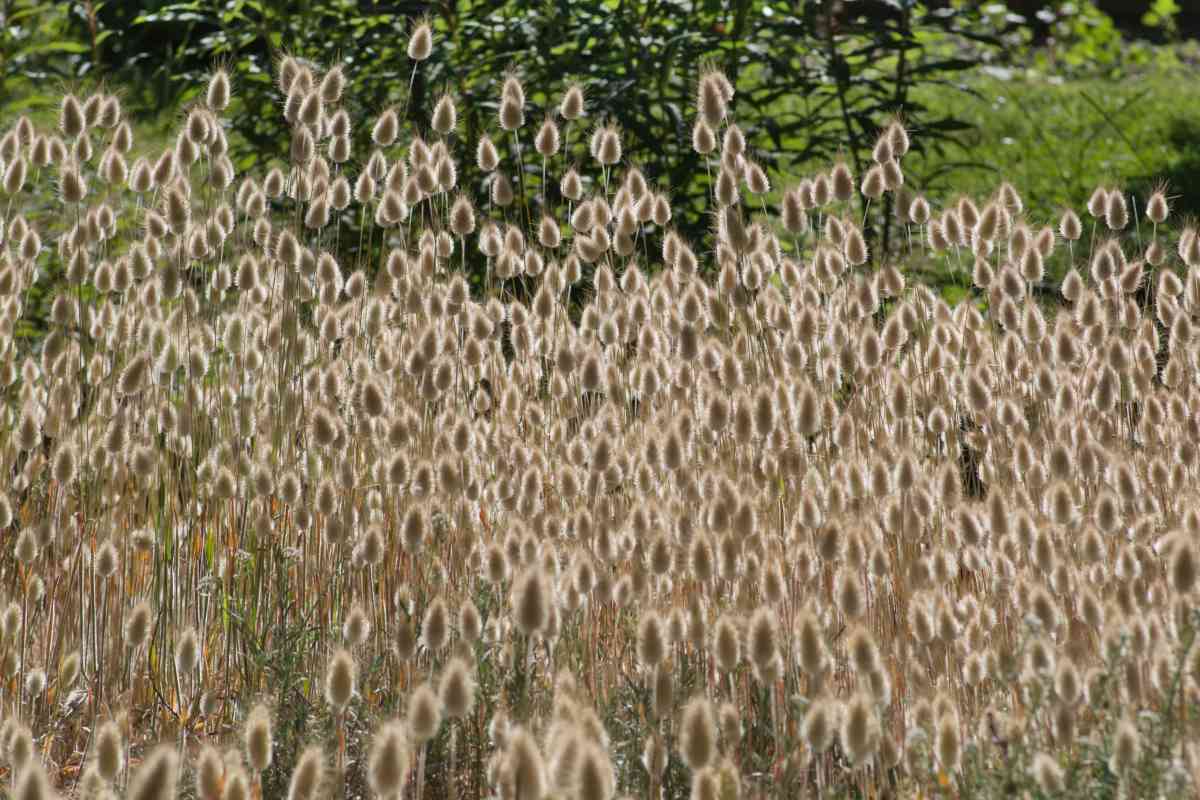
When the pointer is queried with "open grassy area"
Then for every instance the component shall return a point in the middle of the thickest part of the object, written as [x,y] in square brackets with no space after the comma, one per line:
[1061,139]
[643,517]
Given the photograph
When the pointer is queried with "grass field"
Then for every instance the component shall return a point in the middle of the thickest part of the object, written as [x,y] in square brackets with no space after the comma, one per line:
[1059,139]
[755,517]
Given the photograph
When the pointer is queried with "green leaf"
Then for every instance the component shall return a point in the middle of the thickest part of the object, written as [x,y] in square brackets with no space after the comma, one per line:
[53,47]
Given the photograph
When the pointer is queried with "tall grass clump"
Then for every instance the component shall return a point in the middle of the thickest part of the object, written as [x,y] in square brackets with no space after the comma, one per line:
[637,515]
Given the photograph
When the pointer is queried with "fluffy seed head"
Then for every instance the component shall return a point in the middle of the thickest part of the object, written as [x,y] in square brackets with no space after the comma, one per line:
[445,115]
[864,654]
[385,130]
[818,727]
[698,733]
[1126,747]
[138,624]
[457,689]
[524,765]
[469,622]
[572,105]
[157,776]
[606,145]
[1184,565]
[70,117]
[531,602]
[435,628]
[547,140]
[109,750]
[420,41]
[187,651]
[651,640]
[387,767]
[763,641]
[340,678]
[237,784]
[595,777]
[948,742]
[308,774]
[258,738]
[704,141]
[210,773]
[1048,774]
[713,93]
[424,714]
[1157,208]
[1116,213]
[31,783]
[860,728]
[726,644]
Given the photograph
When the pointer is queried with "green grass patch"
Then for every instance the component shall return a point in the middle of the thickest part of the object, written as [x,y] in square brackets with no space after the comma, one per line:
[1059,139]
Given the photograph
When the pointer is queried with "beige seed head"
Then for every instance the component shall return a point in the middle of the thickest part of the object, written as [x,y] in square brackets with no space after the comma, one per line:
[31,783]
[698,733]
[1183,565]
[948,743]
[572,105]
[210,773]
[424,714]
[595,778]
[445,115]
[763,648]
[18,744]
[704,141]
[606,144]
[340,679]
[308,774]
[1157,208]
[217,96]
[547,140]
[1126,747]
[512,113]
[1116,213]
[457,689]
[713,93]
[420,41]
[237,784]
[861,730]
[258,738]
[26,549]
[157,776]
[187,651]
[850,596]
[106,560]
[1048,774]
[531,602]
[818,727]
[383,134]
[726,644]
[70,117]
[873,183]
[387,766]
[864,654]
[469,622]
[332,85]
[435,627]
[109,750]
[651,639]
[1067,683]
[357,627]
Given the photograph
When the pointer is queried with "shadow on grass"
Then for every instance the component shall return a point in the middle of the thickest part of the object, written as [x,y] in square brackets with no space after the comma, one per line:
[1182,177]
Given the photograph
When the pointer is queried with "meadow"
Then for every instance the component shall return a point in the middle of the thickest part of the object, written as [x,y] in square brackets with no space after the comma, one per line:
[755,516]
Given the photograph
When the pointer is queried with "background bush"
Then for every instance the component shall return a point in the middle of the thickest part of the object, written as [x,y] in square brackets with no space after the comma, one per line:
[814,79]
